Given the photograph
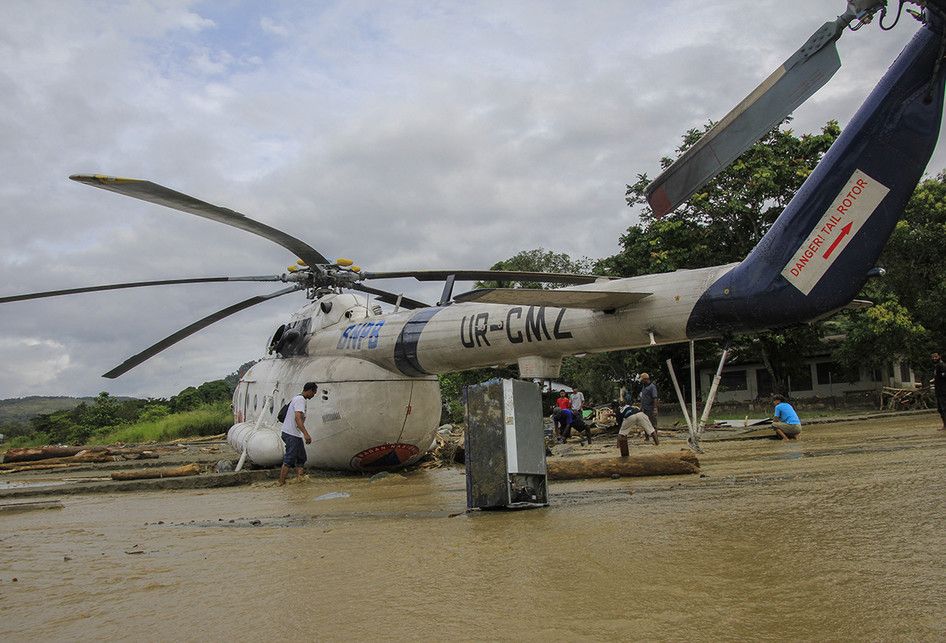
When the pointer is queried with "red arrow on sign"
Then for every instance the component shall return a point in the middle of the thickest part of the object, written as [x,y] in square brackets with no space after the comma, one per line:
[846,230]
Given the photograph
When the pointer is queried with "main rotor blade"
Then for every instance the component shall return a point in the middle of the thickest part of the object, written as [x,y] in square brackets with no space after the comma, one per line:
[390,297]
[170,340]
[799,77]
[133,284]
[148,191]
[489,275]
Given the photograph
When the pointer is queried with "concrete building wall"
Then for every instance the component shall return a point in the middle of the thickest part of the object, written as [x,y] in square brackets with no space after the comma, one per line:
[751,381]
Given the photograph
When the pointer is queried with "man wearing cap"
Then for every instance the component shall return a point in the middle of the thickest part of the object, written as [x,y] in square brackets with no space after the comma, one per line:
[649,399]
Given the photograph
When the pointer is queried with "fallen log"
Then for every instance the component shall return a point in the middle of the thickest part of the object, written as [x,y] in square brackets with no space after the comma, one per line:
[34,466]
[657,464]
[133,454]
[32,454]
[30,506]
[97,456]
[158,472]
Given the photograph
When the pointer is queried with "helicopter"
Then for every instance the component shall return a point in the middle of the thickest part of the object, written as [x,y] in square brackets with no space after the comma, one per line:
[378,404]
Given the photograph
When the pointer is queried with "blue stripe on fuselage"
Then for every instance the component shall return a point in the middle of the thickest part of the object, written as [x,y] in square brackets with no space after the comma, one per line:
[405,350]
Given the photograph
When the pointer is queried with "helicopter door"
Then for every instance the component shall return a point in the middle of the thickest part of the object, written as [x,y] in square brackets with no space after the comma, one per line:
[242,400]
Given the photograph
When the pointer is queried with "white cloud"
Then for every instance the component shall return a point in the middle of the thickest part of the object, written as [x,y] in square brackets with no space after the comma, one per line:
[270,26]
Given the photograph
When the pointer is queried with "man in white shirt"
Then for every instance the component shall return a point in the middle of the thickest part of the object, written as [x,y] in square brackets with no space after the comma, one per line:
[577,400]
[294,432]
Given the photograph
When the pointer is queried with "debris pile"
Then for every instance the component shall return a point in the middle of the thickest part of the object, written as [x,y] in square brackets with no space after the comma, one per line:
[905,399]
[448,448]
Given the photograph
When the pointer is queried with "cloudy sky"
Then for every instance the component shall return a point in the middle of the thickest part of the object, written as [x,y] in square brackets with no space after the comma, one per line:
[401,134]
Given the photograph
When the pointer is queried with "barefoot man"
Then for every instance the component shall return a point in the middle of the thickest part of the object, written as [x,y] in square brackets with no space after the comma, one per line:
[786,423]
[293,433]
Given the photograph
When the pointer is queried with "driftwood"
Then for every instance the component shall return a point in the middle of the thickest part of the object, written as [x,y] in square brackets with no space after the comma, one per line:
[903,399]
[156,472]
[31,454]
[34,466]
[30,506]
[50,454]
[80,458]
[657,464]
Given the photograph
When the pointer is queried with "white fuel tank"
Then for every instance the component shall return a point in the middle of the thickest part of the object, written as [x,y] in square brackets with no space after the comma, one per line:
[263,444]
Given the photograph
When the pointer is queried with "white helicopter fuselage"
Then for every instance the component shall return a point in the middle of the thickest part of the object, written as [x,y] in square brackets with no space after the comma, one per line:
[379,403]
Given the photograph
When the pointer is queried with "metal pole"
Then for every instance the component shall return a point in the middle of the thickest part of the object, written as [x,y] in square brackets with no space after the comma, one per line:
[676,387]
[711,397]
[693,382]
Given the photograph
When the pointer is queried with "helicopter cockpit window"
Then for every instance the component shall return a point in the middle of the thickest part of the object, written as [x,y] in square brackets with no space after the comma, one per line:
[276,337]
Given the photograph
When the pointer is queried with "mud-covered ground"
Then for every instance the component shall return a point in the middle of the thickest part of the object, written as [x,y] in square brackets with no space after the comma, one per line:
[838,535]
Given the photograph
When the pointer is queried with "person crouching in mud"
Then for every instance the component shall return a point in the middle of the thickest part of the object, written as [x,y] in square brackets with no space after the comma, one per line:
[786,423]
[628,419]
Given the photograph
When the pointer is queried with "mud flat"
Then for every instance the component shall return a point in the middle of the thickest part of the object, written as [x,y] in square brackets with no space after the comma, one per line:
[836,536]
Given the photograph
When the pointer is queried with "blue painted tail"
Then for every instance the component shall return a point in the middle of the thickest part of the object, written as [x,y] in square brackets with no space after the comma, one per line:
[816,257]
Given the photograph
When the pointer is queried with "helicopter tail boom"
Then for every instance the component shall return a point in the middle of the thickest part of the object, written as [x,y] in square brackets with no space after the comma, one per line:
[823,247]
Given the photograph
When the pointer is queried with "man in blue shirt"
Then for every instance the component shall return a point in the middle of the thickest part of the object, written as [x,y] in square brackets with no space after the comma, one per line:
[786,424]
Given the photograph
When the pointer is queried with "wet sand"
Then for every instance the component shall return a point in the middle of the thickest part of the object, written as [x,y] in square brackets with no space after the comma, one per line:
[839,535]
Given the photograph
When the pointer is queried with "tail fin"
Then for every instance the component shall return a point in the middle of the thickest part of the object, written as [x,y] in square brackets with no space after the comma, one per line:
[817,255]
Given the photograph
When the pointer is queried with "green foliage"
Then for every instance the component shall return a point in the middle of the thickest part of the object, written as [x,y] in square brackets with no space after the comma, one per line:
[191,397]
[880,333]
[907,321]
[206,419]
[721,224]
[20,410]
[727,217]
[104,416]
[538,260]
[451,386]
[233,378]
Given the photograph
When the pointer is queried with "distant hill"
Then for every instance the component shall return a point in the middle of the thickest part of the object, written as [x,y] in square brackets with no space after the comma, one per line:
[21,409]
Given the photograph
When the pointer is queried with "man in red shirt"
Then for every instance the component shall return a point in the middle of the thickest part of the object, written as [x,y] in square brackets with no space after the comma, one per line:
[563,416]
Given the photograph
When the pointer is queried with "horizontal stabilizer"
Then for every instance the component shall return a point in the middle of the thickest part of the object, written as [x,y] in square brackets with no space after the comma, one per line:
[859,304]
[587,299]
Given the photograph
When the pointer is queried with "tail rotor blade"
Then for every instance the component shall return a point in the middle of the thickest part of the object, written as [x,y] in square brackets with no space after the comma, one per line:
[170,340]
[803,74]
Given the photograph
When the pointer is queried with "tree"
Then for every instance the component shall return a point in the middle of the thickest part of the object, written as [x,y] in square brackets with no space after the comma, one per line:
[721,223]
[907,320]
[233,378]
[878,334]
[726,218]
[538,260]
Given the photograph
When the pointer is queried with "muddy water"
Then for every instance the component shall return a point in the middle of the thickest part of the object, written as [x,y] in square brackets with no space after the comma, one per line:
[839,535]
